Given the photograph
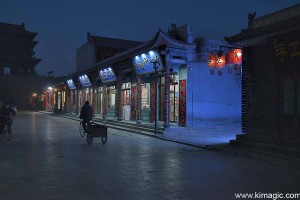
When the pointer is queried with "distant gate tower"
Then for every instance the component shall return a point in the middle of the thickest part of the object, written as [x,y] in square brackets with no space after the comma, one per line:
[16,50]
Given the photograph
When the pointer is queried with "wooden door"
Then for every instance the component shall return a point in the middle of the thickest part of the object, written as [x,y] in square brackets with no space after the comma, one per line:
[290,105]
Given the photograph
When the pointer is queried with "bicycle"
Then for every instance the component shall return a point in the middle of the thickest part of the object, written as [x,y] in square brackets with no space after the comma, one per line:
[81,130]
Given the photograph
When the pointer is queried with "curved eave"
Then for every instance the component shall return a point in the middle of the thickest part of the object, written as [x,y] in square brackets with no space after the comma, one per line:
[137,50]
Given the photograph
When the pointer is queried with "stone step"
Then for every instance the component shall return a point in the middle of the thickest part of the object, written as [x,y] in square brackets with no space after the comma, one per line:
[120,125]
[129,125]
[240,136]
[123,123]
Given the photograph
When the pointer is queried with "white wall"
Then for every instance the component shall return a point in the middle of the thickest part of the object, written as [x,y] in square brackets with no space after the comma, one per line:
[212,98]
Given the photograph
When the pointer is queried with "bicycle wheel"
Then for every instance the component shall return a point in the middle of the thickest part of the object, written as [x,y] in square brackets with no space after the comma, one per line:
[104,139]
[89,139]
[81,131]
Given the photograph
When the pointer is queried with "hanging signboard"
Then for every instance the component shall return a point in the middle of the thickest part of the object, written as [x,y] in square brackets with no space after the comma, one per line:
[85,81]
[145,63]
[71,84]
[107,75]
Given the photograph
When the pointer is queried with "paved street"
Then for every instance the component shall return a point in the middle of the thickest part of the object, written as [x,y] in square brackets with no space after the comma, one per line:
[47,159]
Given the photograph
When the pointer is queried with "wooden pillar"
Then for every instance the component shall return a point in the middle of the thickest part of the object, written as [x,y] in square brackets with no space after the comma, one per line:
[133,103]
[119,109]
[152,99]
[67,100]
[46,100]
[167,96]
[139,100]
[94,93]
[104,102]
[77,102]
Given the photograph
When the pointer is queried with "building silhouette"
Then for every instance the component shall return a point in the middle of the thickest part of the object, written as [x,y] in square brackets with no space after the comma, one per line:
[16,50]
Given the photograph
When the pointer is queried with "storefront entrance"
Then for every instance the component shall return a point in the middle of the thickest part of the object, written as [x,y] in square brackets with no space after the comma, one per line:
[145,102]
[111,94]
[99,101]
[290,105]
[174,102]
[126,95]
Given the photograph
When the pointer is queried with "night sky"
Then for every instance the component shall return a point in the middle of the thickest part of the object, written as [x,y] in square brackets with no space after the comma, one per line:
[62,26]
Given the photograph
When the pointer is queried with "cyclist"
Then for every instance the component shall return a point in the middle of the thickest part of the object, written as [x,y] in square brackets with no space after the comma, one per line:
[86,114]
[5,117]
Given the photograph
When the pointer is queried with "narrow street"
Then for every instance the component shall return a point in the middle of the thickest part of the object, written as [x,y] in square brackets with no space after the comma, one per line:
[48,159]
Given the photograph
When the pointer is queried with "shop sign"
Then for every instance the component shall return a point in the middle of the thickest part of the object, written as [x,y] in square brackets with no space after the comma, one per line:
[286,48]
[71,84]
[107,75]
[85,81]
[145,63]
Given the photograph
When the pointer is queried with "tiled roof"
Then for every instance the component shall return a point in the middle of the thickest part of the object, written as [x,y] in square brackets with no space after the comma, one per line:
[15,28]
[134,51]
[284,25]
[112,42]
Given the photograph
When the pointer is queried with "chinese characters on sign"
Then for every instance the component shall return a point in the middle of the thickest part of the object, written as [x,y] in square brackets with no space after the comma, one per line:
[107,75]
[287,50]
[84,80]
[145,63]
[71,84]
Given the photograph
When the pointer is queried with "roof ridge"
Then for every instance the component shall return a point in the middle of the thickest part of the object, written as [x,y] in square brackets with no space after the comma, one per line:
[4,23]
[110,38]
[173,39]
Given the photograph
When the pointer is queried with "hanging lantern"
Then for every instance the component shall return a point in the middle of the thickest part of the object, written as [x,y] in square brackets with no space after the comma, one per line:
[212,63]
[220,64]
[235,56]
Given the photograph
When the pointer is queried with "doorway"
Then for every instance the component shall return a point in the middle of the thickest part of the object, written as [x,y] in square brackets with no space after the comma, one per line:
[290,105]
[126,95]
[174,102]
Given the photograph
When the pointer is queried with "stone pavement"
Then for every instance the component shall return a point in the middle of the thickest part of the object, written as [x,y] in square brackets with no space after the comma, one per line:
[207,135]
[47,159]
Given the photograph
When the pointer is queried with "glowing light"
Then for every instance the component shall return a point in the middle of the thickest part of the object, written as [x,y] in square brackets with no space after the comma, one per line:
[151,53]
[50,88]
[143,55]
[239,54]
[136,57]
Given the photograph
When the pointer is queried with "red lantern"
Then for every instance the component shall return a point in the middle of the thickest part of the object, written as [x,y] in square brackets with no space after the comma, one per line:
[212,63]
[220,64]
[235,56]
[212,60]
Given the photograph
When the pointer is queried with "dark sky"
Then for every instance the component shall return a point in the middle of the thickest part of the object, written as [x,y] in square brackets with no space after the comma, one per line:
[62,26]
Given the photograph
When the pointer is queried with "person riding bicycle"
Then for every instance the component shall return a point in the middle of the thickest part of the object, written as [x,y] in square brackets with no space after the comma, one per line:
[86,114]
[5,117]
